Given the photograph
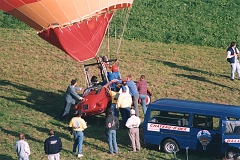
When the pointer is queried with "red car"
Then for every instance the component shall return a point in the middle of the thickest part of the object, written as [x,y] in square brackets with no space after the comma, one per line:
[96,97]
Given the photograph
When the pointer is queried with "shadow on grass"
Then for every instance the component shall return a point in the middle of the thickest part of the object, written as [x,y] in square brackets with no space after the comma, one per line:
[204,80]
[46,131]
[42,101]
[16,134]
[96,131]
[181,154]
[186,68]
[5,157]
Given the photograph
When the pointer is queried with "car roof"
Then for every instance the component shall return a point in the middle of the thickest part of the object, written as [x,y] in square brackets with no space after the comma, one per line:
[187,106]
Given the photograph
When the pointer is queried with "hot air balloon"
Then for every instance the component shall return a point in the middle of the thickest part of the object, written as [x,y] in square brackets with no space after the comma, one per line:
[75,26]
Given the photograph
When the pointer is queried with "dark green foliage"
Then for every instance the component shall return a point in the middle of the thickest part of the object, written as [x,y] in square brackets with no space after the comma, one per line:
[8,21]
[195,22]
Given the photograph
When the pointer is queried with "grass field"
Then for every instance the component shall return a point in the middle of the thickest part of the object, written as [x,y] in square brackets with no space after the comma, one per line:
[167,42]
[34,76]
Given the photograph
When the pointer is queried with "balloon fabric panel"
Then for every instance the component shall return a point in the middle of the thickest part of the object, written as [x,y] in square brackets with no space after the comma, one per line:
[80,41]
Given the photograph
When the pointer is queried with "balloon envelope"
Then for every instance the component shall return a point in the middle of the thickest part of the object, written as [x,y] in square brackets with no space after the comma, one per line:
[75,26]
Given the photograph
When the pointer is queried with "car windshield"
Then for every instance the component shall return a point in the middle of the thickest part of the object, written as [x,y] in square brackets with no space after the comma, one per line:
[233,127]
[92,91]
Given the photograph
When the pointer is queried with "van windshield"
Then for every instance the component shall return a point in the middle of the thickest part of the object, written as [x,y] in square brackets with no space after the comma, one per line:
[232,127]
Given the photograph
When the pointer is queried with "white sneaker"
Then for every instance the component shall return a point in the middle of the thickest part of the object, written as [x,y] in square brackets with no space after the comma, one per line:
[80,155]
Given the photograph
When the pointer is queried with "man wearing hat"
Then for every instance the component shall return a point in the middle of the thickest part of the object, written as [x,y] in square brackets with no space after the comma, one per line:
[70,97]
[124,103]
[76,127]
[133,124]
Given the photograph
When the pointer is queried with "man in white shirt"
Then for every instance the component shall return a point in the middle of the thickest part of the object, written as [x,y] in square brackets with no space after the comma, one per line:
[22,148]
[124,104]
[133,124]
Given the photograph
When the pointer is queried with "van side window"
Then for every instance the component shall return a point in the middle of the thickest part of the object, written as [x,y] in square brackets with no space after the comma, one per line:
[154,116]
[232,127]
[169,118]
[205,122]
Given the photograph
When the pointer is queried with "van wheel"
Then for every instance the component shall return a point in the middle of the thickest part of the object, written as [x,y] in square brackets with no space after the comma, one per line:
[170,145]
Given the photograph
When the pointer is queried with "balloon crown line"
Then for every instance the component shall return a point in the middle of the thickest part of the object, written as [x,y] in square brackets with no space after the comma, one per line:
[83,19]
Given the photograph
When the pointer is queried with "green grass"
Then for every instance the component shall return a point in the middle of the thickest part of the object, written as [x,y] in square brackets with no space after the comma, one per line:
[34,76]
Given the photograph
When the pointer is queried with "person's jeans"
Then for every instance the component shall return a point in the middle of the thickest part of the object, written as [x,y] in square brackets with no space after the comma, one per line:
[125,113]
[135,102]
[78,141]
[143,102]
[115,111]
[235,67]
[112,141]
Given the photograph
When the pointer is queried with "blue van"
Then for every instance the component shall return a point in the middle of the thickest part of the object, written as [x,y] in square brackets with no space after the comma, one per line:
[179,124]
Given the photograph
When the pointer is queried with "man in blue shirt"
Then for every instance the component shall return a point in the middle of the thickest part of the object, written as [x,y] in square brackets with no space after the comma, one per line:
[113,75]
[133,92]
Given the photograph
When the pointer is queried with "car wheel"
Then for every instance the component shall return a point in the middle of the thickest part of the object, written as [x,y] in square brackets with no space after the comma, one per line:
[170,145]
[148,99]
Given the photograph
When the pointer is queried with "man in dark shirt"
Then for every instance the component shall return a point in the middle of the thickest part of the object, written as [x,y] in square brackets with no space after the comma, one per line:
[112,124]
[52,146]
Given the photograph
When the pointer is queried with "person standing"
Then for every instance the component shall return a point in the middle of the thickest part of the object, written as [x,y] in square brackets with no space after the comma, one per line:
[76,127]
[133,92]
[22,148]
[114,96]
[52,146]
[133,124]
[124,104]
[232,58]
[142,89]
[113,75]
[70,97]
[124,83]
[111,126]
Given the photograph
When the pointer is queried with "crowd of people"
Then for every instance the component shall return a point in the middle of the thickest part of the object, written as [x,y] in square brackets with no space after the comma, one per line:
[53,144]
[121,102]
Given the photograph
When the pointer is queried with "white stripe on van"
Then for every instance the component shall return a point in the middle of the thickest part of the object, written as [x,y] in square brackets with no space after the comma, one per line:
[156,127]
[232,140]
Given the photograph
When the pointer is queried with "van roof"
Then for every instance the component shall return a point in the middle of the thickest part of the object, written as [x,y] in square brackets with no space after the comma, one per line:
[196,107]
